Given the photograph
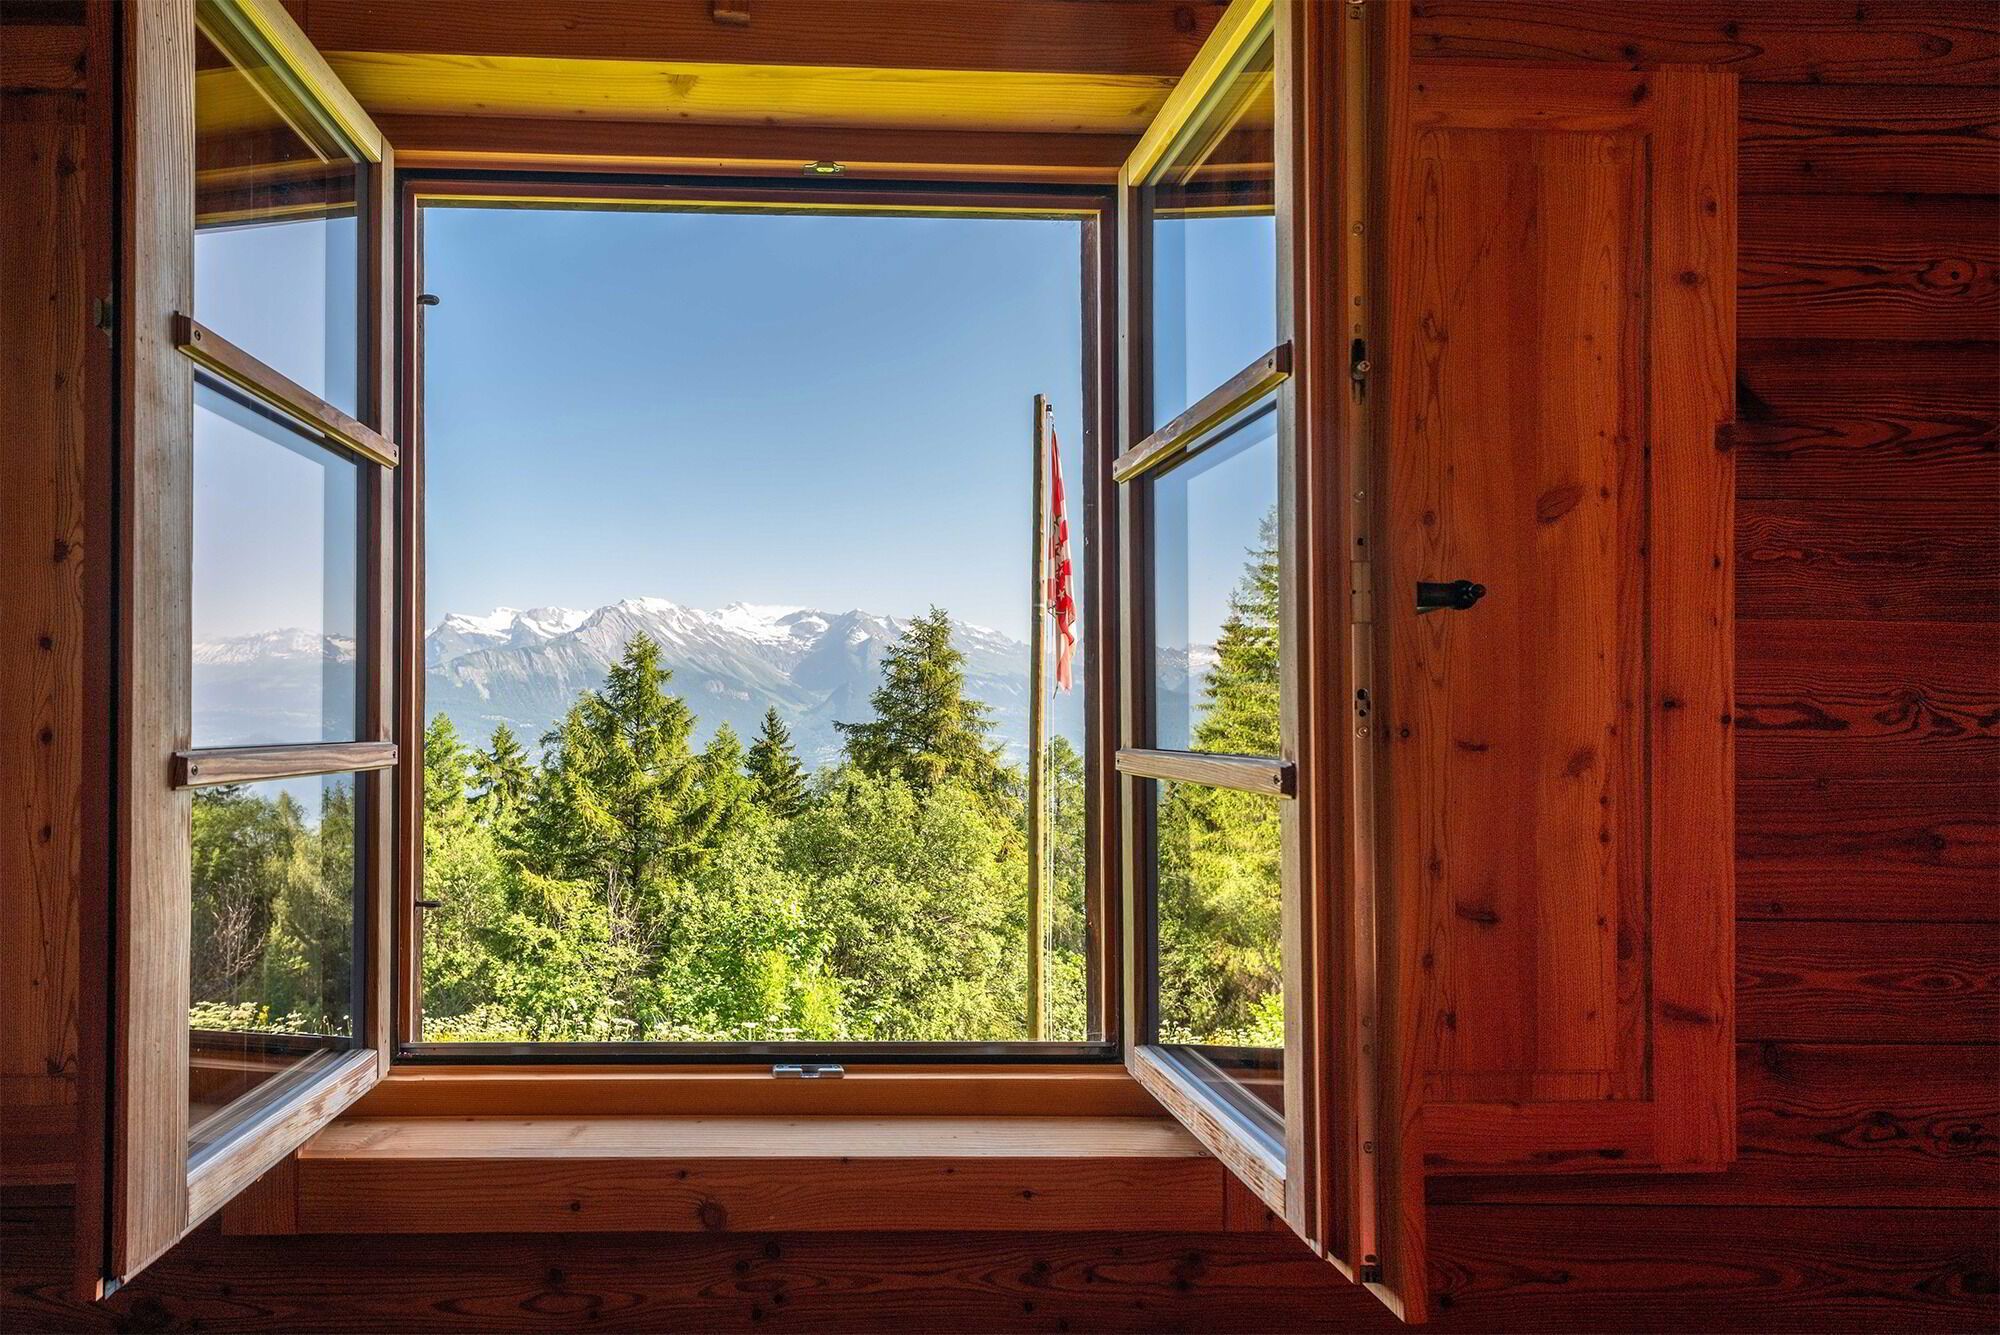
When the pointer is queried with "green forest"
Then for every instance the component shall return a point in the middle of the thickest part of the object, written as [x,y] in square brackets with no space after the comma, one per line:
[630,885]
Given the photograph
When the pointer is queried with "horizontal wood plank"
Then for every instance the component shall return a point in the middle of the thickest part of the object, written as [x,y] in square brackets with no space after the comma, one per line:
[1868,267]
[1797,139]
[216,353]
[42,57]
[1253,774]
[1867,419]
[254,764]
[515,143]
[1928,560]
[1019,35]
[1821,1125]
[960,1091]
[1867,699]
[1764,41]
[1868,982]
[1862,848]
[714,1174]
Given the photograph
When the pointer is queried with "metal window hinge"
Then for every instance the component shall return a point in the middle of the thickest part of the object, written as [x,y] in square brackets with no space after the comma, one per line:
[1358,365]
[1371,1272]
[808,1070]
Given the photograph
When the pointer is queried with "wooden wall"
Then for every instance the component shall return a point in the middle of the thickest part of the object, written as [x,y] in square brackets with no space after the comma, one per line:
[1868,702]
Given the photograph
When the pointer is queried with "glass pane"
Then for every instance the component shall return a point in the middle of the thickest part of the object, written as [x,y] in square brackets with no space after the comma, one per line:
[276,578]
[272,978]
[1213,241]
[1220,962]
[817,833]
[276,266]
[1215,593]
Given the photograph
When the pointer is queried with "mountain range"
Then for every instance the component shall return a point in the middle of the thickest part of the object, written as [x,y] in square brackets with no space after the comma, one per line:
[526,667]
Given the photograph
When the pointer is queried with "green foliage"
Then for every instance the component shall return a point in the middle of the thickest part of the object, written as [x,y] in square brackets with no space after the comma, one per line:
[1220,851]
[628,886]
[775,771]
[926,730]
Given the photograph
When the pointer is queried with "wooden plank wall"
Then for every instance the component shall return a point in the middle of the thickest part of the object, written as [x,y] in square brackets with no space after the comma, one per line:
[1868,702]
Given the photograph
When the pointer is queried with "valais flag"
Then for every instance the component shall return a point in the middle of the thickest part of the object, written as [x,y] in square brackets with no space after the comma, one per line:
[1062,602]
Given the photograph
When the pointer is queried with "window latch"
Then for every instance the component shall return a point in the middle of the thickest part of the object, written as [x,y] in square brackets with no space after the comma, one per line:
[808,1070]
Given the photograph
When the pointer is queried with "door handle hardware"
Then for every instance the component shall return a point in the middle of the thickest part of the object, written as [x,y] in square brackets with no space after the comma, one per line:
[1458,595]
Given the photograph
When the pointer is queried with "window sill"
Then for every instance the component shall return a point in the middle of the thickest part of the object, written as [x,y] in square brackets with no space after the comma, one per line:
[750,1174]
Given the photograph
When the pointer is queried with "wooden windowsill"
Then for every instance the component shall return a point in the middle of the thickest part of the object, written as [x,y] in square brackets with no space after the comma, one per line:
[514,1174]
[748,1091]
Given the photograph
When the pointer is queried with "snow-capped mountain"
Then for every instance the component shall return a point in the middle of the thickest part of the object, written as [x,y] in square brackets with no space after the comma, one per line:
[525,668]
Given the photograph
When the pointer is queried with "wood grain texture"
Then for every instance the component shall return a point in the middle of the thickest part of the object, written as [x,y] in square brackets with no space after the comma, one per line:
[153,823]
[450,142]
[256,764]
[42,57]
[1926,560]
[1870,267]
[1867,419]
[1555,777]
[1813,140]
[1868,982]
[43,533]
[1821,1125]
[1860,849]
[1250,774]
[1494,1268]
[1019,35]
[1899,700]
[1950,42]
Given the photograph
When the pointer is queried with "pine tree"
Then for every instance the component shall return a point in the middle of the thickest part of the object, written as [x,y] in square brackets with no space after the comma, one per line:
[1240,705]
[926,730]
[775,771]
[622,799]
[500,776]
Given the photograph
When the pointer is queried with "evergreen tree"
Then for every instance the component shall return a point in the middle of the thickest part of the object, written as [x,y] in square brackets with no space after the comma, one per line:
[1240,704]
[500,776]
[926,730]
[775,771]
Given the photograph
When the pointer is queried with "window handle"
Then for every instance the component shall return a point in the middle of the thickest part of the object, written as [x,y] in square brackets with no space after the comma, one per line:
[1457,595]
[430,903]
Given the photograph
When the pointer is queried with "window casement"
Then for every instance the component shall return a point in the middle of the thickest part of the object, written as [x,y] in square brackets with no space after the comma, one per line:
[1248,299]
[253,822]
[1319,395]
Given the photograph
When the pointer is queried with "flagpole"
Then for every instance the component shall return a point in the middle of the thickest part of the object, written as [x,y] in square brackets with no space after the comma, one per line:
[1038,690]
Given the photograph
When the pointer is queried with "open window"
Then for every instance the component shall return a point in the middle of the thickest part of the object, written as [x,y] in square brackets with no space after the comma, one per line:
[1252,1008]
[253,817]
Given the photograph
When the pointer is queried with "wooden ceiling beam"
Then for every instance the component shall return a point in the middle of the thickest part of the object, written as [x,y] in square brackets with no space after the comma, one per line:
[492,142]
[1150,37]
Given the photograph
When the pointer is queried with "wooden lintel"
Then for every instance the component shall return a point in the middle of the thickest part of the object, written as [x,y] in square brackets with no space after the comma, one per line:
[1152,37]
[531,143]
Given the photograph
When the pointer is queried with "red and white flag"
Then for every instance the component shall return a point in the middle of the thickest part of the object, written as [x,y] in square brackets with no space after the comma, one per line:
[1062,601]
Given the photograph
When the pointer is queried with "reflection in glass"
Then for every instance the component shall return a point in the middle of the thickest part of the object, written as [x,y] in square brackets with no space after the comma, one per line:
[276,578]
[1213,242]
[1215,593]
[1220,964]
[276,269]
[272,980]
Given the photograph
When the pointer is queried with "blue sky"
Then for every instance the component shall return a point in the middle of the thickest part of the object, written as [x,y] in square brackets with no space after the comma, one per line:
[820,410]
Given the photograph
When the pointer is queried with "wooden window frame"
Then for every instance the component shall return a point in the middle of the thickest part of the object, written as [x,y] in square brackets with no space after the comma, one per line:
[1096,208]
[150,1195]
[1349,1177]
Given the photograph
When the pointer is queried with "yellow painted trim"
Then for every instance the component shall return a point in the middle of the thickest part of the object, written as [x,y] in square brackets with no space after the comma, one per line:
[1242,24]
[266,28]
